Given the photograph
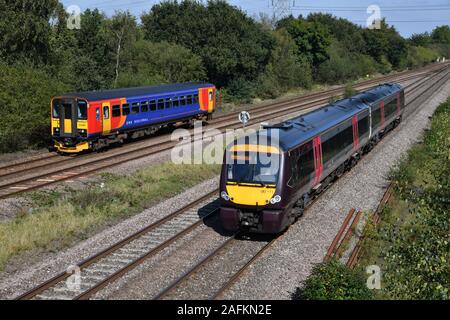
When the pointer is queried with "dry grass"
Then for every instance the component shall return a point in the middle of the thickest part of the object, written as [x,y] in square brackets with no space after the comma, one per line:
[72,214]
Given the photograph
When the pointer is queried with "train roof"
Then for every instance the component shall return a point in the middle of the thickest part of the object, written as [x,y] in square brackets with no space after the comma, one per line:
[298,130]
[137,91]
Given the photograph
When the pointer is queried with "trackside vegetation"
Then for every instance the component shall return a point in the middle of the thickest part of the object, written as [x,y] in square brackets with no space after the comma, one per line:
[61,217]
[334,281]
[247,58]
[412,244]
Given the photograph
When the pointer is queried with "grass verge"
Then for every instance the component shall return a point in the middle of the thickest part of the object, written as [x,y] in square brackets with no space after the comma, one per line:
[64,216]
[412,244]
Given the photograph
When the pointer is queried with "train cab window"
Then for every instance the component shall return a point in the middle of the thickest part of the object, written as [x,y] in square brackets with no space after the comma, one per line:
[195,98]
[189,99]
[160,104]
[211,96]
[135,108]
[125,109]
[116,110]
[182,101]
[144,106]
[152,105]
[105,112]
[175,102]
[82,110]
[56,110]
[67,110]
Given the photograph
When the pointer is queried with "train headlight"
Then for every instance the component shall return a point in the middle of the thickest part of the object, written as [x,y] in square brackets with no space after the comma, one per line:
[275,199]
[225,196]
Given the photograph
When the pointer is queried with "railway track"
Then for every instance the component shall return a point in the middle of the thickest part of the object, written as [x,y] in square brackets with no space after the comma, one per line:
[114,262]
[347,229]
[110,264]
[47,160]
[187,285]
[39,160]
[26,176]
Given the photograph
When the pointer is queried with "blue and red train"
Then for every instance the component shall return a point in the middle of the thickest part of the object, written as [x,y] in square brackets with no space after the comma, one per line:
[94,120]
[306,154]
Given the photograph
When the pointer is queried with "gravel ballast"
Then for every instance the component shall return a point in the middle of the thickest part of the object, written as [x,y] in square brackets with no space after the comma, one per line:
[291,259]
[13,284]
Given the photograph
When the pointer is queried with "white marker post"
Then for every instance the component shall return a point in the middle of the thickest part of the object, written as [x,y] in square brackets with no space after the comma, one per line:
[244,117]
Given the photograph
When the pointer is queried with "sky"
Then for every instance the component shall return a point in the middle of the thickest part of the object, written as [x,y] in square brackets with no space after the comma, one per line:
[408,17]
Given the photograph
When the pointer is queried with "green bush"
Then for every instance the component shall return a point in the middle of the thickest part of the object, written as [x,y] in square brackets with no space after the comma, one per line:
[349,90]
[25,106]
[333,281]
[343,66]
[163,62]
[417,260]
[420,56]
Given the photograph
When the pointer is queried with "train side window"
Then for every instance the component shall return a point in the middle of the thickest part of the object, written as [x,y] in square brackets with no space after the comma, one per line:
[376,117]
[168,103]
[363,126]
[135,107]
[160,104]
[105,112]
[337,143]
[144,106]
[125,109]
[97,114]
[152,105]
[116,110]
[182,101]
[195,98]
[306,165]
[82,110]
[390,108]
[210,96]
[175,102]
[189,99]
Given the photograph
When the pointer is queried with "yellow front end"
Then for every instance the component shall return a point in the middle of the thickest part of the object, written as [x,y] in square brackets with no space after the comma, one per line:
[250,194]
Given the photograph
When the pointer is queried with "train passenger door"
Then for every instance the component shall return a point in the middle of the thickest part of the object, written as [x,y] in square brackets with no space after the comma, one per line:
[106,117]
[211,100]
[317,147]
[67,117]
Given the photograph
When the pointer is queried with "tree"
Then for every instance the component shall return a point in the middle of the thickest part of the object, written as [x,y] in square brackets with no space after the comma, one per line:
[441,34]
[26,29]
[284,70]
[421,39]
[347,33]
[124,28]
[386,43]
[152,63]
[311,39]
[231,45]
